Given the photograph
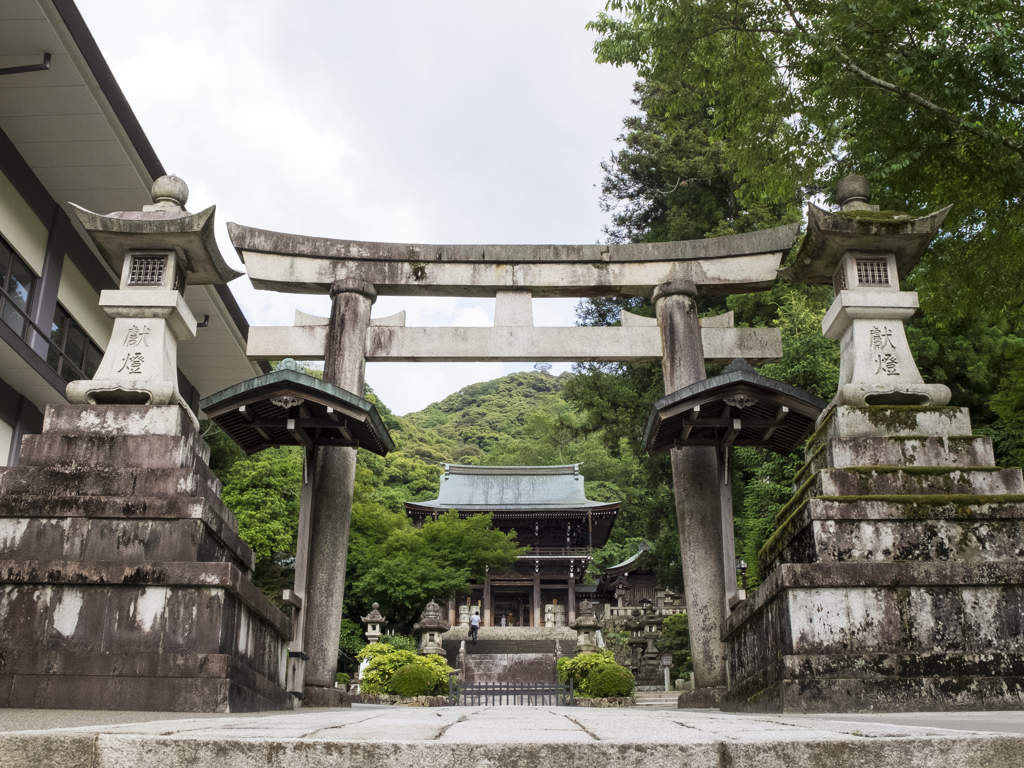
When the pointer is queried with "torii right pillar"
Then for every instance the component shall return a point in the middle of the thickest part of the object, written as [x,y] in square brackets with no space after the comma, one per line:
[698,497]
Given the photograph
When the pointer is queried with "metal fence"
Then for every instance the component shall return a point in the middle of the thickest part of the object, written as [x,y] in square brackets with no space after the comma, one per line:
[510,694]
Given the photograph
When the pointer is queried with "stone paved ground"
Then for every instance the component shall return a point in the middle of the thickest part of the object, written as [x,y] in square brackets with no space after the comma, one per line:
[508,737]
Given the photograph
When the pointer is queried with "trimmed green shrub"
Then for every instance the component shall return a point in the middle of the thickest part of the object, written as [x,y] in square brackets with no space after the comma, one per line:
[610,680]
[413,680]
[385,661]
[579,668]
[342,678]
[439,669]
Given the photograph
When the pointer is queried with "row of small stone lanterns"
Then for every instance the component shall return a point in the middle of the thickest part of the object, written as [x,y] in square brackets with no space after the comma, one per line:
[428,629]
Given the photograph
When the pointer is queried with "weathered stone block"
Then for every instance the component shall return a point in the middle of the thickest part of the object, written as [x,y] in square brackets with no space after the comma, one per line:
[118,420]
[888,421]
[123,582]
[956,451]
[893,581]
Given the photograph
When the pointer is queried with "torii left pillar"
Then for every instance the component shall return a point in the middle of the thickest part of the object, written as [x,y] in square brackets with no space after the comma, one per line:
[344,366]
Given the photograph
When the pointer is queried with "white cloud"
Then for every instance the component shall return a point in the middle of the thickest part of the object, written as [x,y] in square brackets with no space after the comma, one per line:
[399,121]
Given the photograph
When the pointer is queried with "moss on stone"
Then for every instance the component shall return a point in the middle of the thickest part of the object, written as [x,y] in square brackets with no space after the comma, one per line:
[891,218]
[911,469]
[419,270]
[817,434]
[784,533]
[892,418]
[785,512]
[807,464]
[919,506]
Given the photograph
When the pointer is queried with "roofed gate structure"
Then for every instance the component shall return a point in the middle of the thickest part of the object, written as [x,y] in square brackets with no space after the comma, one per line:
[672,274]
[548,510]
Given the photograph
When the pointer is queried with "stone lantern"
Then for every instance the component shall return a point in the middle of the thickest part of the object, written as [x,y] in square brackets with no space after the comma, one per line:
[586,625]
[430,627]
[864,254]
[157,252]
[636,625]
[373,622]
[651,632]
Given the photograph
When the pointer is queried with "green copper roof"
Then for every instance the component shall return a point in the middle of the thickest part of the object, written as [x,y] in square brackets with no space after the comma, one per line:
[466,487]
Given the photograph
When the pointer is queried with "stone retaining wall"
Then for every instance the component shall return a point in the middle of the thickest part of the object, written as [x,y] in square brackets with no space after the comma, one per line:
[611,701]
[399,701]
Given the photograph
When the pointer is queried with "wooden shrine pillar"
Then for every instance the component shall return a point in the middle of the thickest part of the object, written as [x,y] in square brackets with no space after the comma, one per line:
[538,609]
[570,605]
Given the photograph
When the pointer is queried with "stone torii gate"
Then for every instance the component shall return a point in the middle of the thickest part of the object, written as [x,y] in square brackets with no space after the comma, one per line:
[673,274]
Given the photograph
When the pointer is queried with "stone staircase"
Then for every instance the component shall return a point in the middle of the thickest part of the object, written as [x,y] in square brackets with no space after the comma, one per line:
[509,654]
[657,699]
[510,641]
[502,646]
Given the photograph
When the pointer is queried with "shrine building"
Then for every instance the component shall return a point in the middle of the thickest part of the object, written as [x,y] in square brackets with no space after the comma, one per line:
[550,513]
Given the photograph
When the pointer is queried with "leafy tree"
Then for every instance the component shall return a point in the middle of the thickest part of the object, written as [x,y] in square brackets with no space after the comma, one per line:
[263,491]
[402,567]
[924,98]
[675,639]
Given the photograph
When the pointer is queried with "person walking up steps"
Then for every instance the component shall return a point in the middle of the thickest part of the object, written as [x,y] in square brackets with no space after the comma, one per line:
[474,626]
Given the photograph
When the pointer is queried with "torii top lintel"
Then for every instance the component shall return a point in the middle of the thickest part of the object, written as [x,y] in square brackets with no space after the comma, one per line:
[721,265]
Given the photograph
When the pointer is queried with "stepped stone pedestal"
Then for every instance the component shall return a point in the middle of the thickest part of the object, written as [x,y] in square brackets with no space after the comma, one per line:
[895,580]
[123,582]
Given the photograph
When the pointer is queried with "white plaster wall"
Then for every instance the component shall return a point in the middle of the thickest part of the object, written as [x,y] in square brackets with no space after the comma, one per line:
[20,227]
[6,436]
[82,302]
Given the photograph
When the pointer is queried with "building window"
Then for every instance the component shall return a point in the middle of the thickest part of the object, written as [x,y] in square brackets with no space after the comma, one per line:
[72,354]
[16,284]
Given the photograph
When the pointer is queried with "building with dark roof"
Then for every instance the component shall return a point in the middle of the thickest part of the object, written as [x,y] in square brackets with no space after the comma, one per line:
[550,513]
[68,135]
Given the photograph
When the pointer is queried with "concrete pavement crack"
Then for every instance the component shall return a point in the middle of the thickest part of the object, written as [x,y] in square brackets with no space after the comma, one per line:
[311,734]
[443,731]
[586,730]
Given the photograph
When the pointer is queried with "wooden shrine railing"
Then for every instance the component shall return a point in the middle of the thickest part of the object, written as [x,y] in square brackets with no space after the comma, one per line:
[575,552]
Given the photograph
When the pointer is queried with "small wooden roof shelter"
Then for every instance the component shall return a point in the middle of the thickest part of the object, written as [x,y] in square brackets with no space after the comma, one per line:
[289,407]
[738,408]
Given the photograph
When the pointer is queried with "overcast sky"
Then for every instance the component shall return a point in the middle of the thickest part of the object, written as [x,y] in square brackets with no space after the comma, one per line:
[395,121]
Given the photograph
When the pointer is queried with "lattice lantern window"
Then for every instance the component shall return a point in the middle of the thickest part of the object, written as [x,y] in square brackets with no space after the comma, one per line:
[153,270]
[873,271]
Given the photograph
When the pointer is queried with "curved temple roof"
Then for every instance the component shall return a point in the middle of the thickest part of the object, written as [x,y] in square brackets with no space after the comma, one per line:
[469,488]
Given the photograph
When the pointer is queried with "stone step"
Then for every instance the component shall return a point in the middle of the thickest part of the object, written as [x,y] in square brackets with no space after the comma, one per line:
[933,481]
[59,481]
[955,528]
[483,647]
[962,452]
[153,451]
